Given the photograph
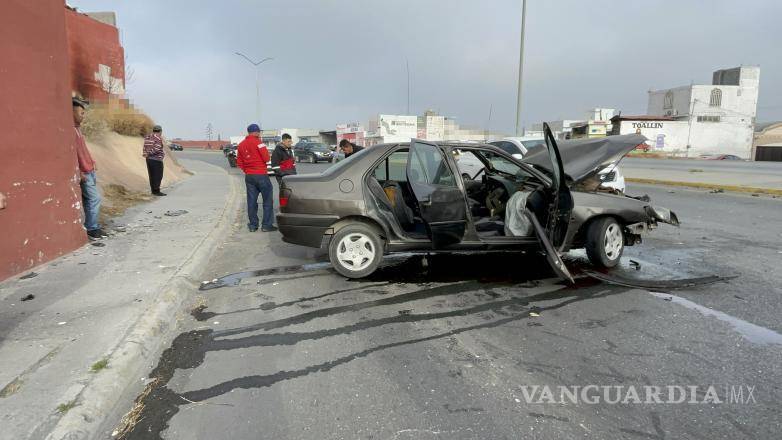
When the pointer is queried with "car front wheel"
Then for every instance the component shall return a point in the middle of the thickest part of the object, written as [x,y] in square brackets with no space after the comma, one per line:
[605,242]
[356,250]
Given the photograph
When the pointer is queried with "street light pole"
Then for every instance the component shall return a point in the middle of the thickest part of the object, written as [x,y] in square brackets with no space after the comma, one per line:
[257,83]
[521,67]
[407,65]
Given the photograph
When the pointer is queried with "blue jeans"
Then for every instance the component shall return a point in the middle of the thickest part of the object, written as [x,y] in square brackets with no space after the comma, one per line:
[259,184]
[91,200]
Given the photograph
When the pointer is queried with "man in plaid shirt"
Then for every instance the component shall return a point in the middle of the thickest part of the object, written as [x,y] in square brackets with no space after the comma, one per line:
[153,151]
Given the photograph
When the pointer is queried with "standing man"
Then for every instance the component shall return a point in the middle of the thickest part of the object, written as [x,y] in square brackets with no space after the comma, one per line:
[153,151]
[349,148]
[283,161]
[252,157]
[90,195]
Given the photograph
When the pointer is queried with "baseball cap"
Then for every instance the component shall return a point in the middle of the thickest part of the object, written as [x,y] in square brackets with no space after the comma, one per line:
[253,128]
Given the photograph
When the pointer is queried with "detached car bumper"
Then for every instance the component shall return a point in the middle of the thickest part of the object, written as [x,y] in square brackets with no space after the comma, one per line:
[304,229]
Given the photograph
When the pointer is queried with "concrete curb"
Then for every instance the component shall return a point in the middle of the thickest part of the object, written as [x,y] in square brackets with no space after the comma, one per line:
[731,188]
[130,359]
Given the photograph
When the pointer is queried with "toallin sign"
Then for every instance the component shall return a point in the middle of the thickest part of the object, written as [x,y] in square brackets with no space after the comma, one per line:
[647,125]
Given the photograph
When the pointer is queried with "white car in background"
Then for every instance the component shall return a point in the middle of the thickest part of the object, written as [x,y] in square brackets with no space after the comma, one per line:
[611,176]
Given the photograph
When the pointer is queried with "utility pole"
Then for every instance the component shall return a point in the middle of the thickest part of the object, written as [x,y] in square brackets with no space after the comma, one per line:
[257,83]
[521,66]
[407,64]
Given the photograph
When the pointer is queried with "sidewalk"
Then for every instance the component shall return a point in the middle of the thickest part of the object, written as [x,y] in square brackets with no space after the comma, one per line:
[100,315]
[742,177]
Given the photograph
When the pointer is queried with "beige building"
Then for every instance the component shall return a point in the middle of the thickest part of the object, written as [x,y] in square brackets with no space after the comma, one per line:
[767,142]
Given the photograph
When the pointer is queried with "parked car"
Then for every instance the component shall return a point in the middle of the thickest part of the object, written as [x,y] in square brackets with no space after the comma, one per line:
[611,176]
[312,152]
[175,147]
[724,157]
[412,197]
[231,156]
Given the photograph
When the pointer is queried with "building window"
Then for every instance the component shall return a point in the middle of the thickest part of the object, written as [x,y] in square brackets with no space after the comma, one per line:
[716,98]
[668,102]
[708,118]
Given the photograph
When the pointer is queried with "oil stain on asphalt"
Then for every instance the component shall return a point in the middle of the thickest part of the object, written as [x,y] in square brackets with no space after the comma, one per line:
[534,291]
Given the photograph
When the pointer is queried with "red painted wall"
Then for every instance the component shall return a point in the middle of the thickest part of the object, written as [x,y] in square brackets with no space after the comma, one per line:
[91,43]
[37,157]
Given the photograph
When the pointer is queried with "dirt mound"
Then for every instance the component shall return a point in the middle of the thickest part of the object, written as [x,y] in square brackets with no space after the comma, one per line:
[122,171]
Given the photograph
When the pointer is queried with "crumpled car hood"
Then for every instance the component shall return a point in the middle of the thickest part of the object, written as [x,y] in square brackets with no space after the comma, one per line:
[585,158]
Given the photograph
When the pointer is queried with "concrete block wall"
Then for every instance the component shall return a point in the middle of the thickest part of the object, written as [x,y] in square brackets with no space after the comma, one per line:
[38,170]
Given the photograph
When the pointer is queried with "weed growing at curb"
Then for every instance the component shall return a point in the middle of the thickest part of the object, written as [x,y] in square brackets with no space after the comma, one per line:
[65,407]
[695,170]
[100,365]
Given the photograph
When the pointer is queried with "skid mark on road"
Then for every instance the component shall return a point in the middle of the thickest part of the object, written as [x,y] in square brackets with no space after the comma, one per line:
[749,331]
[159,404]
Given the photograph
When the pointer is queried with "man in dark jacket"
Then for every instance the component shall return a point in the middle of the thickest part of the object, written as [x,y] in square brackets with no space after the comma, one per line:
[283,161]
[349,148]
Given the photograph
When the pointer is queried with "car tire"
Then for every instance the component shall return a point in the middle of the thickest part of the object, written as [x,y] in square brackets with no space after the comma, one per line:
[466,176]
[356,250]
[312,159]
[605,242]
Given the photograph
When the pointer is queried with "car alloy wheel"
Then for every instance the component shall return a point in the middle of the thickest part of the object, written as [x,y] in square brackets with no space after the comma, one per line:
[355,250]
[604,242]
[613,241]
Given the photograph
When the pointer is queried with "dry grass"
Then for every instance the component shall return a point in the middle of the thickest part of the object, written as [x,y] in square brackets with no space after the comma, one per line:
[117,199]
[122,119]
[11,388]
[130,419]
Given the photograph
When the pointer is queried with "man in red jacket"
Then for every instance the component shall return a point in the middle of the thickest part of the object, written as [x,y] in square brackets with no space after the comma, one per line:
[252,157]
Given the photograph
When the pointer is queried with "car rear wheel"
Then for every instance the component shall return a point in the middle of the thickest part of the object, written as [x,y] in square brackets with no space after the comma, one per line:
[605,242]
[355,250]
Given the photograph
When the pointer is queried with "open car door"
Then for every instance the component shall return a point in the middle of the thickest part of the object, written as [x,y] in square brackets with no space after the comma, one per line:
[440,200]
[560,207]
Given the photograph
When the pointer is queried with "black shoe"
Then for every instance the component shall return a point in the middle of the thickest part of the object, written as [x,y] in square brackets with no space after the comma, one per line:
[159,194]
[252,228]
[269,229]
[96,234]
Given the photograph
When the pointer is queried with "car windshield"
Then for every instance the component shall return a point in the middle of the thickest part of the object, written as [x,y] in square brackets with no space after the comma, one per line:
[533,143]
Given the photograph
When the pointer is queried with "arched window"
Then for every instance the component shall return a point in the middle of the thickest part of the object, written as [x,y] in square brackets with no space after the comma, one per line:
[716,98]
[668,102]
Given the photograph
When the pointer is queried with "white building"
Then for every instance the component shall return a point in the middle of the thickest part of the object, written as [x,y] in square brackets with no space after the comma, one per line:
[719,117]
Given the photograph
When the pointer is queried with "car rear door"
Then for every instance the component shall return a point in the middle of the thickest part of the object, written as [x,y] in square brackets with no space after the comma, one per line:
[441,201]
[560,207]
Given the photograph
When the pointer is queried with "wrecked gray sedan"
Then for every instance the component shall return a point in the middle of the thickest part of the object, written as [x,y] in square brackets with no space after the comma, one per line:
[411,197]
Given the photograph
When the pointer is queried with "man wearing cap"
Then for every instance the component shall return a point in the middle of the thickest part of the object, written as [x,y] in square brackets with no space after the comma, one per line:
[90,195]
[153,152]
[252,157]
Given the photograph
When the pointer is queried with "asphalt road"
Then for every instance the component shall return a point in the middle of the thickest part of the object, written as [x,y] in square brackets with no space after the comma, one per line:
[447,346]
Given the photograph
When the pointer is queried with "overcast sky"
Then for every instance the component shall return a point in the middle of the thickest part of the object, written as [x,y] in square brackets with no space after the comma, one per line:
[339,61]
